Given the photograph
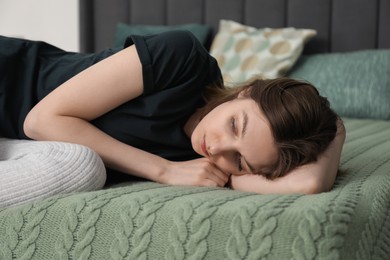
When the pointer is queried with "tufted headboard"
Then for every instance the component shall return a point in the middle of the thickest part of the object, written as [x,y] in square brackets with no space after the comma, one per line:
[342,25]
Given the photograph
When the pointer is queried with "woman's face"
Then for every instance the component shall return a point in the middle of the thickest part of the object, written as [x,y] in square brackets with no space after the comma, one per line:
[236,137]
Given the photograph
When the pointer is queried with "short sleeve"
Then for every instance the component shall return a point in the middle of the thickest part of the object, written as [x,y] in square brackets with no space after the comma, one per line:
[173,58]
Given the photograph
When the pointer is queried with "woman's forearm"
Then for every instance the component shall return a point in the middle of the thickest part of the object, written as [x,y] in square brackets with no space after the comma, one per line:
[115,154]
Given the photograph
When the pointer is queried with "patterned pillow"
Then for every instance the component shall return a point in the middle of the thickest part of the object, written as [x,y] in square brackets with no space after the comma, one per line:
[243,52]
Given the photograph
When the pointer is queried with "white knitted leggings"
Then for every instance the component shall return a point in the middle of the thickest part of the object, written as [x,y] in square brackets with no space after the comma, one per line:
[31,170]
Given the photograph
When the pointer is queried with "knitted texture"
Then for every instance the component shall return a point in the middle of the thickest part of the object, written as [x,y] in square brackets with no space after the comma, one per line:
[145,220]
[31,170]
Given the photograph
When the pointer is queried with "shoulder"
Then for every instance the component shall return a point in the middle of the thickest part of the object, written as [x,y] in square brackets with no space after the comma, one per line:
[175,43]
[170,49]
[173,58]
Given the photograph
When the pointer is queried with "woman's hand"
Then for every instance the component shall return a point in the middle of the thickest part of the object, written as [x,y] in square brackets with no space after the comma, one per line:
[198,172]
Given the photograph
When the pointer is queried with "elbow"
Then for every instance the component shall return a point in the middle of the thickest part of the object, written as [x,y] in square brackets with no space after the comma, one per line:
[341,132]
[32,125]
[313,186]
[311,190]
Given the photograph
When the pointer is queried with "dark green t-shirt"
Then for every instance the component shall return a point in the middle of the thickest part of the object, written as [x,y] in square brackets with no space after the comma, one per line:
[175,68]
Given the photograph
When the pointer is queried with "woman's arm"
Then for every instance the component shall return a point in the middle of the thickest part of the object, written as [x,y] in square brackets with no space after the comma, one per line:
[65,113]
[308,179]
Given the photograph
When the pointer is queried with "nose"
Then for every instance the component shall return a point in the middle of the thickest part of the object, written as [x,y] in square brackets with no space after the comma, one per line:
[218,148]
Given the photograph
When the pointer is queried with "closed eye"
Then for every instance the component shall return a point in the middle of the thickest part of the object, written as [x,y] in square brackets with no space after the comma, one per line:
[238,159]
[239,163]
[234,125]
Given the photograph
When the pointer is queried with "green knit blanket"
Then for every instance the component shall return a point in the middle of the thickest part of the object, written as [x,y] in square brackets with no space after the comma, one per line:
[145,220]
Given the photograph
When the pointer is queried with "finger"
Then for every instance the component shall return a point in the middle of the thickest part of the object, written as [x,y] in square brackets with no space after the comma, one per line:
[221,174]
[218,176]
[214,173]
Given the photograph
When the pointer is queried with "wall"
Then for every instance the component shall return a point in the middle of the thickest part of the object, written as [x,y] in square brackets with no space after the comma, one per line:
[54,21]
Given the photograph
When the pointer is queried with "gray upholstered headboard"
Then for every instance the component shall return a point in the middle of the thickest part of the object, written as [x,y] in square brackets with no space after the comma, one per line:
[342,25]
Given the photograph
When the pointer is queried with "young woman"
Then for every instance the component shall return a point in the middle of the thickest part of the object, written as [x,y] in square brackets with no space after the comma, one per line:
[157,109]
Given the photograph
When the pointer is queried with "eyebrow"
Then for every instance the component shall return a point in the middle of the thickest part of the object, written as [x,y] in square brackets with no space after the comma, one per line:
[244,123]
[243,132]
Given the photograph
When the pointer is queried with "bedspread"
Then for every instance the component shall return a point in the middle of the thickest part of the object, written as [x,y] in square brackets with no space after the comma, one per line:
[145,220]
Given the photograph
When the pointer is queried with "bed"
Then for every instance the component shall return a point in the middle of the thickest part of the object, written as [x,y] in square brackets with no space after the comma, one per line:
[145,220]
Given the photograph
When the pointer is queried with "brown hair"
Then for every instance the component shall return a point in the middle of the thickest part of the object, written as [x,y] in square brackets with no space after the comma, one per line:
[301,120]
